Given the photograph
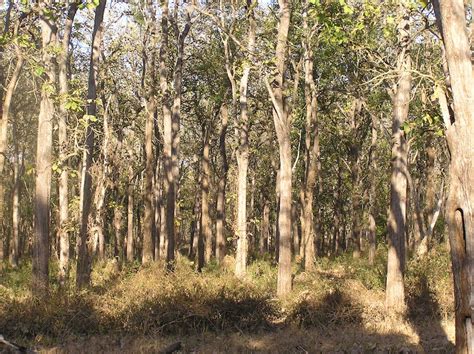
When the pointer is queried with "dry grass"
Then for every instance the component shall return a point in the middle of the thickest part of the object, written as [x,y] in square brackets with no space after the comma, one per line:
[339,306]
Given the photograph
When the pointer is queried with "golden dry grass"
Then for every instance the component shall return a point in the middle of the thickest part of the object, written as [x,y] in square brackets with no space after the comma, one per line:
[338,307]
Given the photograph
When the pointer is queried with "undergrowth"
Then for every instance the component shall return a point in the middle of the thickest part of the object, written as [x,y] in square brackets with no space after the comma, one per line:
[148,300]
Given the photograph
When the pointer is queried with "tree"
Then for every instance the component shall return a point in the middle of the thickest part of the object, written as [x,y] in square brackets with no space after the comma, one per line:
[243,151]
[281,119]
[84,256]
[149,83]
[63,181]
[6,101]
[43,156]
[395,293]
[459,209]
[311,144]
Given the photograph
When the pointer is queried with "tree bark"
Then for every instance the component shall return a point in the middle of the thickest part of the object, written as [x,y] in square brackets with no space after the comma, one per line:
[40,270]
[151,106]
[220,218]
[265,230]
[63,140]
[84,257]
[460,205]
[282,123]
[372,229]
[205,235]
[130,205]
[15,239]
[395,292]
[311,146]
[7,96]
[243,150]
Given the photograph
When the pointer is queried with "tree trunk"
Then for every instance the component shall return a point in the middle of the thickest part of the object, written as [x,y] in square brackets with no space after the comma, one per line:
[166,224]
[372,239]
[311,146]
[355,179]
[150,86]
[130,205]
[118,235]
[7,96]
[220,219]
[265,230]
[205,235]
[15,239]
[63,140]
[84,257]
[243,151]
[282,123]
[372,229]
[395,293]
[430,201]
[195,225]
[460,205]
[40,271]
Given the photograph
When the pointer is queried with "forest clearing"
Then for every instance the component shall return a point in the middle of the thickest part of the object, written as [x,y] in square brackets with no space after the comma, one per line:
[273,176]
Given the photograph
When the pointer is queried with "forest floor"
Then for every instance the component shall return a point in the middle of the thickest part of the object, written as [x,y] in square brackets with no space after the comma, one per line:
[337,308]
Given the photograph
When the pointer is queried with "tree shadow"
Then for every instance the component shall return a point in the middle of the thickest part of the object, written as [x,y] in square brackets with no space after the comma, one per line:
[425,315]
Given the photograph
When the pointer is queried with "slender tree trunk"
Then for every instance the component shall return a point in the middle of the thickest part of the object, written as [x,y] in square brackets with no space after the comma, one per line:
[63,114]
[311,146]
[84,257]
[195,225]
[243,152]
[205,229]
[372,236]
[130,205]
[118,235]
[40,271]
[430,201]
[7,96]
[265,230]
[15,239]
[282,123]
[355,179]
[167,133]
[220,219]
[151,107]
[460,205]
[395,293]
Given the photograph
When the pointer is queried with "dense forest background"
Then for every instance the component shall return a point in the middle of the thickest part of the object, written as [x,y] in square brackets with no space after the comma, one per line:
[274,172]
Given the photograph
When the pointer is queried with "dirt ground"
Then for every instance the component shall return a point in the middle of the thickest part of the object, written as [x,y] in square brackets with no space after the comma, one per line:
[393,338]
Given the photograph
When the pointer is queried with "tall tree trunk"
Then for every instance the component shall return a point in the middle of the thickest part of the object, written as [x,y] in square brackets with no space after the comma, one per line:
[195,224]
[40,271]
[355,179]
[15,239]
[220,219]
[311,145]
[118,234]
[84,257]
[63,114]
[430,201]
[282,123]
[166,223]
[460,205]
[395,292]
[243,150]
[151,107]
[372,236]
[205,230]
[130,205]
[265,229]
[7,96]
[173,176]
